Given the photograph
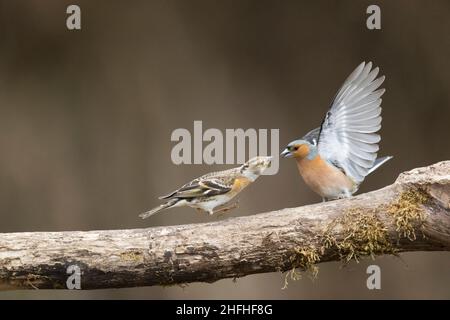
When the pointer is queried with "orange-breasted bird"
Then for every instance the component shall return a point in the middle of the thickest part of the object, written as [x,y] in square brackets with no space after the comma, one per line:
[214,189]
[334,159]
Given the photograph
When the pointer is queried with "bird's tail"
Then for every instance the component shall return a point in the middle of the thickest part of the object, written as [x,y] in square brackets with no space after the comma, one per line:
[379,162]
[159,208]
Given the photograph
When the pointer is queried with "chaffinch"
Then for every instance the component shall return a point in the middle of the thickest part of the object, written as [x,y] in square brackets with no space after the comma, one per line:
[334,159]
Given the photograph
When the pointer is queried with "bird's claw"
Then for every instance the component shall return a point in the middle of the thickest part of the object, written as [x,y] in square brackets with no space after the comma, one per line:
[221,211]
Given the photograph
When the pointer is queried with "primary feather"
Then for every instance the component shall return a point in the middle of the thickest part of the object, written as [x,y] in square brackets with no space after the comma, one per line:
[348,135]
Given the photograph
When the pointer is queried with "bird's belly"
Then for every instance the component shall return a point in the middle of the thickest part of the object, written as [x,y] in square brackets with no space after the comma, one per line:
[209,204]
[325,179]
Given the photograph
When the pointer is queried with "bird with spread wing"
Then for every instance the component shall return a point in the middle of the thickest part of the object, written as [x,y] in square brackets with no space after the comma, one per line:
[334,159]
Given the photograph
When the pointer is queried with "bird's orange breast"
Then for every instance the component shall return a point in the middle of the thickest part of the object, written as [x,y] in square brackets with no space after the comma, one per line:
[239,184]
[323,178]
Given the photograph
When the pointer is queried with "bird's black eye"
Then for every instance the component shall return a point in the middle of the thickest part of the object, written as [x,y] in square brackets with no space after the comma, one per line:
[293,148]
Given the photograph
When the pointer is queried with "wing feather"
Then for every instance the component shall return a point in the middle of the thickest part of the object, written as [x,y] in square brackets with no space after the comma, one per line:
[348,135]
[199,188]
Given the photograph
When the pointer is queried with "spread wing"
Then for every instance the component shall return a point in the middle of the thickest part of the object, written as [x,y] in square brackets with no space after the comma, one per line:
[348,135]
[201,187]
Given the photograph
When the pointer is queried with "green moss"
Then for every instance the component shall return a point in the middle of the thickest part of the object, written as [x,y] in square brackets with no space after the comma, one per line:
[132,255]
[407,212]
[364,234]
[359,233]
[303,258]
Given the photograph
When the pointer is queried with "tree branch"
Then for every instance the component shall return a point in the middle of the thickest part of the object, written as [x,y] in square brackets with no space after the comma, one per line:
[413,214]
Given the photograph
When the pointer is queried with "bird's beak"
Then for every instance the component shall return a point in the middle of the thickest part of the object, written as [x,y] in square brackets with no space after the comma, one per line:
[286,153]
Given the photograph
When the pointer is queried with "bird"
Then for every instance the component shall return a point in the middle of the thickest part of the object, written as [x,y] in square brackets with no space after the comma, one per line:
[335,158]
[214,189]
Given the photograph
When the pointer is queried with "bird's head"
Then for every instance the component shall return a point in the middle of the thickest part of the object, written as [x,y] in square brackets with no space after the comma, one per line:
[255,167]
[298,149]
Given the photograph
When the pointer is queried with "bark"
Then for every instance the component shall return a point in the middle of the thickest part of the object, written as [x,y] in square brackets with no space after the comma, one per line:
[413,214]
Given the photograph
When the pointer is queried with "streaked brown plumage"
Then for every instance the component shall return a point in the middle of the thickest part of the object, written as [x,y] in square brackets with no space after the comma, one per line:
[214,189]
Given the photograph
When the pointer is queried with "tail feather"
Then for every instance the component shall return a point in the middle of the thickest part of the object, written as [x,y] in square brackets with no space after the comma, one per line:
[379,162]
[159,208]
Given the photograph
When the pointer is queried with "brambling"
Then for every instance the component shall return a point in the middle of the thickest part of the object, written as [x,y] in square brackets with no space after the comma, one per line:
[215,189]
[334,159]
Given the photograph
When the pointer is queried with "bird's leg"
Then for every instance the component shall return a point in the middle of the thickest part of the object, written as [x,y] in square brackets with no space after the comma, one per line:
[324,200]
[200,210]
[225,209]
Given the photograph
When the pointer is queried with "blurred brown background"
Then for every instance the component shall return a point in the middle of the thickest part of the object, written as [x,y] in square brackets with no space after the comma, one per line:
[86,116]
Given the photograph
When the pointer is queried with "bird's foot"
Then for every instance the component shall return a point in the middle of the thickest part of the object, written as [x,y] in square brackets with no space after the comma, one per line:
[221,211]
